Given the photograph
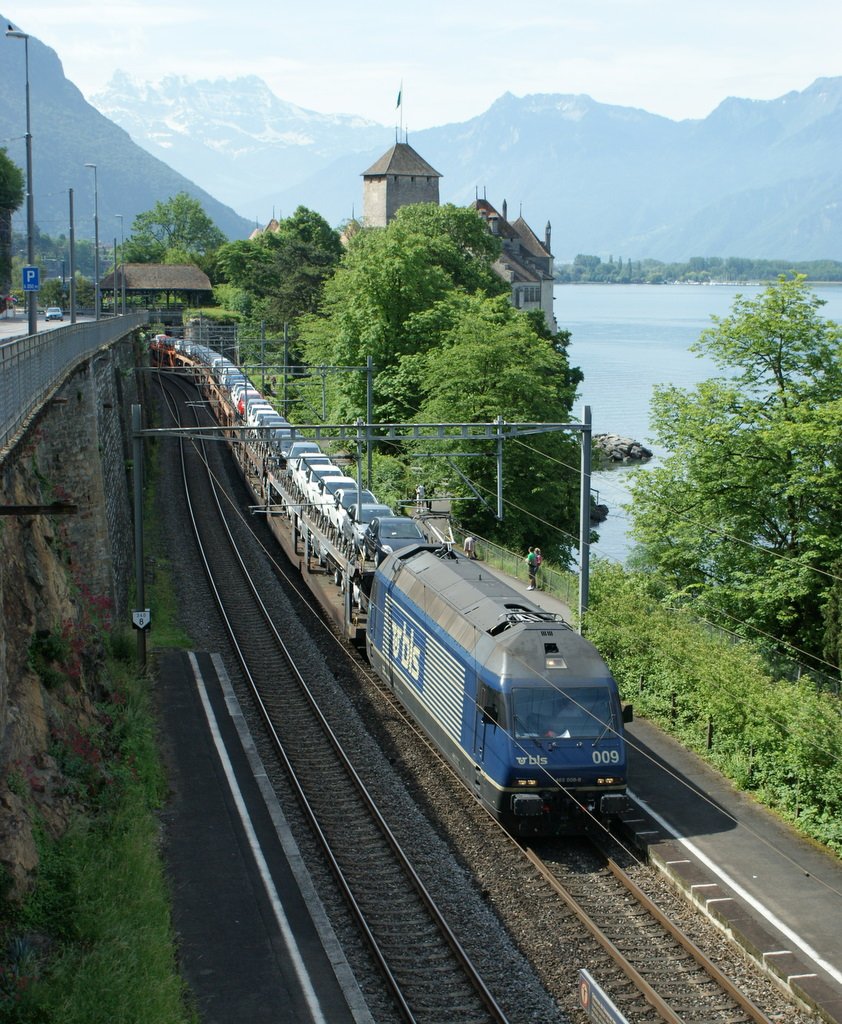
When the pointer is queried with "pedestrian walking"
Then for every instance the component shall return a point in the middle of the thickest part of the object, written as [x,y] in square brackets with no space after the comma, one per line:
[419,497]
[469,547]
[531,568]
[538,560]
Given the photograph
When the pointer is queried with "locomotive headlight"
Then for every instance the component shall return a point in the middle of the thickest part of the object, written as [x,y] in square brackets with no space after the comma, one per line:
[555,661]
[526,782]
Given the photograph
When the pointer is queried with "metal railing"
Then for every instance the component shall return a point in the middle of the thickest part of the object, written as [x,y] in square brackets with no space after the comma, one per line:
[32,367]
[562,585]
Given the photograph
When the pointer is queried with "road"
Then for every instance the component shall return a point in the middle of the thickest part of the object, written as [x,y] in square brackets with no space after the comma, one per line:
[17,325]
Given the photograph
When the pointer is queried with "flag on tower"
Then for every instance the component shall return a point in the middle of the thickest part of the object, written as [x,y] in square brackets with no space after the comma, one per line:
[400,93]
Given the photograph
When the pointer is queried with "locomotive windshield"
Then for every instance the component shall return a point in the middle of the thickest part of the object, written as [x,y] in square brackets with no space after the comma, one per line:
[574,713]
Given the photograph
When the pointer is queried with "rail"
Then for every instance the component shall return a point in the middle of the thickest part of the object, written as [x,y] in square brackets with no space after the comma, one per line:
[32,367]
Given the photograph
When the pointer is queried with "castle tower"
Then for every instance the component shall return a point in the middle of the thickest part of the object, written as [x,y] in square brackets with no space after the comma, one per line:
[399,178]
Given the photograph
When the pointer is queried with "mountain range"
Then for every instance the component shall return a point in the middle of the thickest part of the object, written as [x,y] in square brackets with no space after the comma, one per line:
[760,179]
[67,134]
[754,178]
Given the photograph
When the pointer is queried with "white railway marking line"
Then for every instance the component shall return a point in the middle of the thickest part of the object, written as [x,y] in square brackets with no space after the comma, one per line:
[775,921]
[280,916]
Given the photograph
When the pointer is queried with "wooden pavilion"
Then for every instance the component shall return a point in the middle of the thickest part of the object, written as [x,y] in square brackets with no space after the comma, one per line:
[183,282]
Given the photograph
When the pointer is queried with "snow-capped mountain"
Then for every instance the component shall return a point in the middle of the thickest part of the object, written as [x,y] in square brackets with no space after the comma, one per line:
[234,138]
[756,178]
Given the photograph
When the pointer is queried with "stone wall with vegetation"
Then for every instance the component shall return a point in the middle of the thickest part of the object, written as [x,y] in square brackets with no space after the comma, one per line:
[62,579]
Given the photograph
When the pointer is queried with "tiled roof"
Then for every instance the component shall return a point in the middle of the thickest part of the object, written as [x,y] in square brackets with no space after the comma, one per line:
[511,269]
[401,159]
[162,277]
[528,239]
[494,219]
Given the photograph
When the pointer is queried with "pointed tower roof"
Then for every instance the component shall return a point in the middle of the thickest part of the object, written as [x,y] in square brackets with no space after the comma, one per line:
[402,159]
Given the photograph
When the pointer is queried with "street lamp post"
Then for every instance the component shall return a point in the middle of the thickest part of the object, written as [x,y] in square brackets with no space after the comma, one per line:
[119,217]
[96,244]
[32,297]
[72,259]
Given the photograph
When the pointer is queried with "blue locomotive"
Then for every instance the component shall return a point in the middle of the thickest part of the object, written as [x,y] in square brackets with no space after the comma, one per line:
[524,708]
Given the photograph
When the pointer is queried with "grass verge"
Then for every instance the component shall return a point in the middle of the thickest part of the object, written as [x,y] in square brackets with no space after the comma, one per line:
[93,942]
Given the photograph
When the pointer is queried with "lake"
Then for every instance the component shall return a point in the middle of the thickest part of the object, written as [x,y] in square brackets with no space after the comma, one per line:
[627,339]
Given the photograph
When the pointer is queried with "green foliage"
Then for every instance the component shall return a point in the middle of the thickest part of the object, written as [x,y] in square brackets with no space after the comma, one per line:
[232,300]
[279,275]
[48,656]
[11,197]
[100,905]
[490,362]
[386,276]
[743,516]
[393,481]
[780,740]
[419,298]
[175,231]
[697,270]
[832,618]
[11,183]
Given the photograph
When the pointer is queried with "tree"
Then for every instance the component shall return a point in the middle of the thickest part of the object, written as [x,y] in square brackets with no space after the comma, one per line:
[421,300]
[283,270]
[175,231]
[11,197]
[489,362]
[388,275]
[744,516]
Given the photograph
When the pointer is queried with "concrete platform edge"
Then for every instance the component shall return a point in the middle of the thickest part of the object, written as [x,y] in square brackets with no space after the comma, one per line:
[705,892]
[344,975]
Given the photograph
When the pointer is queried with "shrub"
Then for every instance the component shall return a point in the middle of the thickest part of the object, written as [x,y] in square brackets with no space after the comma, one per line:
[780,740]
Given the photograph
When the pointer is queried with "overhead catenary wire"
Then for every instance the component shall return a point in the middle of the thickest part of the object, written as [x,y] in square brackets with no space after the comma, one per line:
[814,659]
[630,742]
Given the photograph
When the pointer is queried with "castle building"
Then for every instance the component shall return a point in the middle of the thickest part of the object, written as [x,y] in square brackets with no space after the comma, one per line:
[402,177]
[399,178]
[525,263]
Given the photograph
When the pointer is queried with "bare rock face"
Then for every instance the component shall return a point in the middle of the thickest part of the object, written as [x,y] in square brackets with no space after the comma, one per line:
[615,448]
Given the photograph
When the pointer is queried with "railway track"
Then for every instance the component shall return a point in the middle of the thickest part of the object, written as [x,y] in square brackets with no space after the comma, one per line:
[553,937]
[664,970]
[429,974]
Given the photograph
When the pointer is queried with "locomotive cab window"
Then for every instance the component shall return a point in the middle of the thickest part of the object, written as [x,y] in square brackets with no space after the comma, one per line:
[491,705]
[575,713]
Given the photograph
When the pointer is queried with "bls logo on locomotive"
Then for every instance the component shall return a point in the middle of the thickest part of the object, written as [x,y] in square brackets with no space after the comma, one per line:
[531,759]
[405,651]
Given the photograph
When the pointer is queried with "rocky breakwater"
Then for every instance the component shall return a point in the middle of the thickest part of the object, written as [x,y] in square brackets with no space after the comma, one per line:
[615,448]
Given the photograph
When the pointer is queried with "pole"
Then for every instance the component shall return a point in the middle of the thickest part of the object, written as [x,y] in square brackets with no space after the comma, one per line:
[286,363]
[97,308]
[585,516]
[31,297]
[137,465]
[30,202]
[119,217]
[369,410]
[263,357]
[359,513]
[500,469]
[114,280]
[72,261]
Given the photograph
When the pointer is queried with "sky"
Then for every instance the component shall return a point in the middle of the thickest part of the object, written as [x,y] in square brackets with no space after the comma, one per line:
[452,59]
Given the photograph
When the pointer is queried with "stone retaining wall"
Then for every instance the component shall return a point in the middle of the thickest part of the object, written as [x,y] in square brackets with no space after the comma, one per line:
[53,570]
